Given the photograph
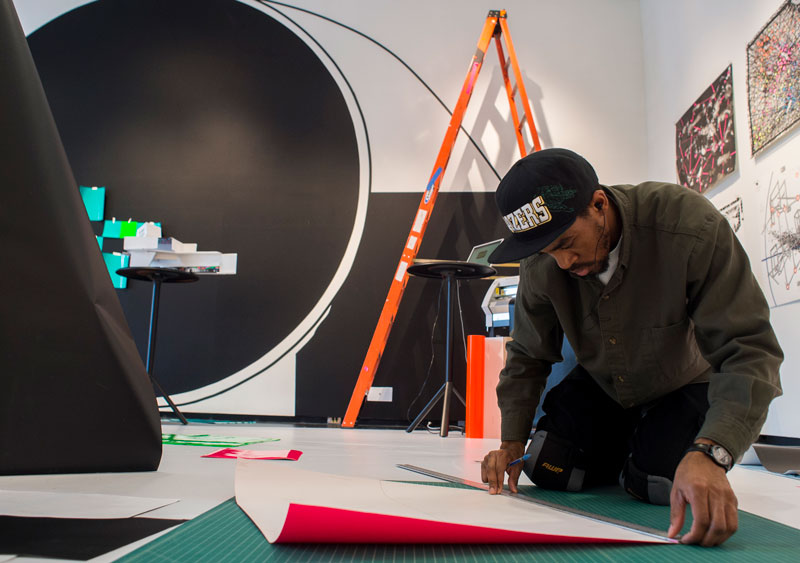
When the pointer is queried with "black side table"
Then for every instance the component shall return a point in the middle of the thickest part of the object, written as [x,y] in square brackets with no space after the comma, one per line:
[448,271]
[158,276]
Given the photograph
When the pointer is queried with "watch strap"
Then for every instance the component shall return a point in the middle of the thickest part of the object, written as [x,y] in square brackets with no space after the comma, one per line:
[706,449]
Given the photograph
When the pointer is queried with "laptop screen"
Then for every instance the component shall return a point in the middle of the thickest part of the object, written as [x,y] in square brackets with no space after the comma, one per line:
[480,253]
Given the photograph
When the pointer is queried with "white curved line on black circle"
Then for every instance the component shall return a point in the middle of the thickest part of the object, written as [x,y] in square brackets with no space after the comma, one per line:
[266,3]
[369,190]
[311,329]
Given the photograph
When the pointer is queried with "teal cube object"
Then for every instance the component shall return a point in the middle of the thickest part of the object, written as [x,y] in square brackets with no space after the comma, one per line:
[114,262]
[111,229]
[94,199]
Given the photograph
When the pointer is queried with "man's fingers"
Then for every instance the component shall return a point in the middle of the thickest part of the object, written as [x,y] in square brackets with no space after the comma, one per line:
[495,464]
[703,485]
[732,518]
[677,513]
[489,472]
[724,520]
[513,478]
[701,516]
[718,525]
[499,476]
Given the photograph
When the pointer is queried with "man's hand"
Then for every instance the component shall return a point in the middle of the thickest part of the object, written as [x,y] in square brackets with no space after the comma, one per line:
[493,467]
[702,483]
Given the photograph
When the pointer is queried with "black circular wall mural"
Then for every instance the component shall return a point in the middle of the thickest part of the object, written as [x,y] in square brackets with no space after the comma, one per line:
[218,121]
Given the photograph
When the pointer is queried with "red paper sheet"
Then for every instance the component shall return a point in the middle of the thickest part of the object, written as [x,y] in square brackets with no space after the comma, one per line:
[234,453]
[293,505]
[320,524]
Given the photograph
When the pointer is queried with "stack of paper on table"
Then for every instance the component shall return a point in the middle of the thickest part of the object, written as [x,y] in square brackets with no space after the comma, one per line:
[292,505]
[156,252]
[235,453]
[156,243]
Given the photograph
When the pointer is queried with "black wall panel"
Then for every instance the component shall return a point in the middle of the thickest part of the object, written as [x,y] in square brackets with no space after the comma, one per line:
[328,367]
[214,119]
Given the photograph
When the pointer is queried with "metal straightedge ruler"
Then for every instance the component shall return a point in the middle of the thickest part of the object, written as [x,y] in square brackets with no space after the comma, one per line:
[660,534]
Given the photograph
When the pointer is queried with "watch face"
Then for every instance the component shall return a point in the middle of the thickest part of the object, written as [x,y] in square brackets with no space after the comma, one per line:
[721,455]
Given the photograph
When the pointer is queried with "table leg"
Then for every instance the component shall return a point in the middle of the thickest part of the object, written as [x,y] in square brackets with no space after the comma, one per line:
[151,348]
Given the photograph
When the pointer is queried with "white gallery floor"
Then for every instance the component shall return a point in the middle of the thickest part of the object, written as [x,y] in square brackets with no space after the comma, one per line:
[199,483]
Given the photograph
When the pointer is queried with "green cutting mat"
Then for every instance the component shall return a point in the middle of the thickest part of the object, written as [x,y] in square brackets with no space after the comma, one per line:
[225,533]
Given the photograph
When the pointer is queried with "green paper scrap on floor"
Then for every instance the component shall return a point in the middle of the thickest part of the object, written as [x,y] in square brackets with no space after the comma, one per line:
[225,533]
[210,440]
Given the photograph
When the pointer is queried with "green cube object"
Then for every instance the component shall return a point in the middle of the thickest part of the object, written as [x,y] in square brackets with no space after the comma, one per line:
[128,228]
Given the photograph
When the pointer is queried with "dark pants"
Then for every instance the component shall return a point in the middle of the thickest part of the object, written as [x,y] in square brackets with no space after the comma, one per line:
[579,414]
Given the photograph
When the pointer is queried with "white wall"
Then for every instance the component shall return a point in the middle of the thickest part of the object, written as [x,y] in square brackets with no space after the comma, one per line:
[687,44]
[607,78]
[582,60]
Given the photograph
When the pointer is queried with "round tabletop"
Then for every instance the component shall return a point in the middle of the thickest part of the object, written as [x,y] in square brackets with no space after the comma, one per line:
[456,268]
[165,275]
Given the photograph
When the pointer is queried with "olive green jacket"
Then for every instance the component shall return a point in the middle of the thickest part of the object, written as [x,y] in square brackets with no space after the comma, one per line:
[682,307]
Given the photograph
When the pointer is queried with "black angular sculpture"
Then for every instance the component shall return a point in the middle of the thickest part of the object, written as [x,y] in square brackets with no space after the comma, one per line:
[74,394]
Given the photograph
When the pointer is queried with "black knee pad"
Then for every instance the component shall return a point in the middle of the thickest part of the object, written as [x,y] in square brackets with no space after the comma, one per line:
[555,463]
[649,488]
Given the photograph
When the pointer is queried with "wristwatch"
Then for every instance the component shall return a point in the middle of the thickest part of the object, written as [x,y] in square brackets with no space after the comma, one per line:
[718,454]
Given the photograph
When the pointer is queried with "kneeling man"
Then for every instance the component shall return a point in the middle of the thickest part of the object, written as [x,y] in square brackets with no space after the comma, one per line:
[677,360]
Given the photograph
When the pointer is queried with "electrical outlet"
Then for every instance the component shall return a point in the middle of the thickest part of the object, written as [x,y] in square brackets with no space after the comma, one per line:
[380,394]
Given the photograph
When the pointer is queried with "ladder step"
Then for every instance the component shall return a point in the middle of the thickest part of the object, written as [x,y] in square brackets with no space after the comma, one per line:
[522,121]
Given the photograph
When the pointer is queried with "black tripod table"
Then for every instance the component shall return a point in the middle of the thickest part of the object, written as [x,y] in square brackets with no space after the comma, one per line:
[157,276]
[449,271]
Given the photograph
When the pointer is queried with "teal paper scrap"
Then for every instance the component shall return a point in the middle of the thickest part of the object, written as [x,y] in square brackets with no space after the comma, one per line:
[115,261]
[111,228]
[94,199]
[121,229]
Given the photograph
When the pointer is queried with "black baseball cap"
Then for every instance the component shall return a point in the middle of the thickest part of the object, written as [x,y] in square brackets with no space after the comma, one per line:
[540,198]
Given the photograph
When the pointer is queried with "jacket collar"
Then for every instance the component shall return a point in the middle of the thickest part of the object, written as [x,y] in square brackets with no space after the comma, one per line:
[623,203]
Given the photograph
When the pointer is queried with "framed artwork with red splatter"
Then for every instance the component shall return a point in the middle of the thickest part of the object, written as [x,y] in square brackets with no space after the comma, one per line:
[705,138]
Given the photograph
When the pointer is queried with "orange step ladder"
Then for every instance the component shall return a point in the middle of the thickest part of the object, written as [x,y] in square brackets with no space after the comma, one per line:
[496,27]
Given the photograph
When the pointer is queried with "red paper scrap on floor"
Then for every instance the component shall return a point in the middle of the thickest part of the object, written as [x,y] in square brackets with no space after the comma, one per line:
[292,505]
[233,453]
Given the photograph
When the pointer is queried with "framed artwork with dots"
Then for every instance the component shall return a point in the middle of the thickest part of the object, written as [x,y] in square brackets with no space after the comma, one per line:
[773,77]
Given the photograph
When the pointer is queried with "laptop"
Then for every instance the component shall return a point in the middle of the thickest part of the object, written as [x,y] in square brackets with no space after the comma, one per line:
[480,252]
[478,255]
